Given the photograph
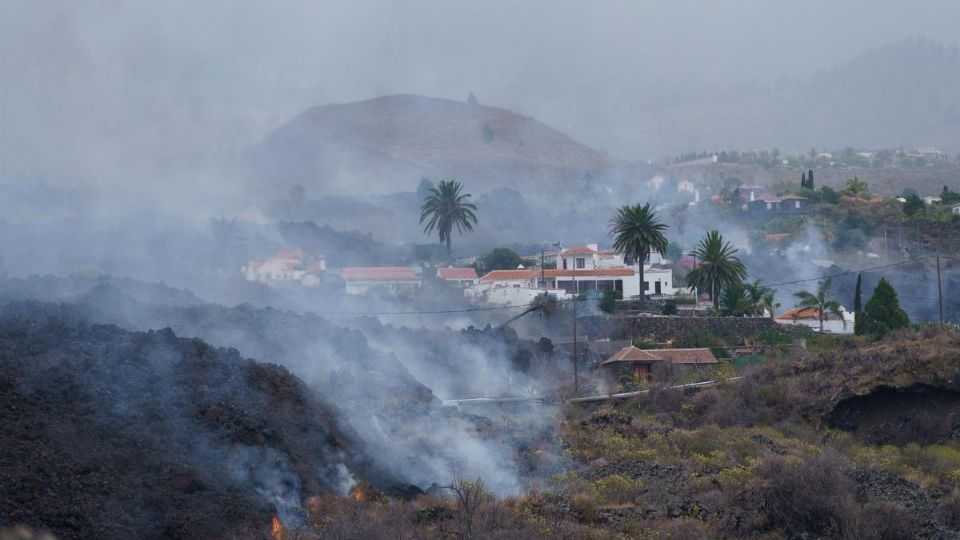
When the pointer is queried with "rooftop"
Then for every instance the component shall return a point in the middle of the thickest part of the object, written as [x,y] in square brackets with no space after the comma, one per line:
[379,273]
[676,356]
[456,273]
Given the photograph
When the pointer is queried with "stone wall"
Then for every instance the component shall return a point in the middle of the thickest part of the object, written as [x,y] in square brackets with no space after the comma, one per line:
[661,329]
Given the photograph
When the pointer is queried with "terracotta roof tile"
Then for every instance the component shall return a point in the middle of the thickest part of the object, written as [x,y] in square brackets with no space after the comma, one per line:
[379,273]
[579,251]
[599,272]
[456,273]
[509,275]
[676,356]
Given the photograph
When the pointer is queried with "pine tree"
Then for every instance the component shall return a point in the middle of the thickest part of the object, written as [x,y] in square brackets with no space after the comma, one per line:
[882,312]
[858,316]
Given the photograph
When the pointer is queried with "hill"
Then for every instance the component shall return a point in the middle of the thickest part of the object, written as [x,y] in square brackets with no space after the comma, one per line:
[901,94]
[388,143]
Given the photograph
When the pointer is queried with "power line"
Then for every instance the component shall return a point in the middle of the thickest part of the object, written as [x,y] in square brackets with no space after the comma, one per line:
[435,312]
[848,272]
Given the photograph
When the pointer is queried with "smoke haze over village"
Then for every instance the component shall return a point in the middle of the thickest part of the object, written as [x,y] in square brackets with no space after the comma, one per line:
[442,269]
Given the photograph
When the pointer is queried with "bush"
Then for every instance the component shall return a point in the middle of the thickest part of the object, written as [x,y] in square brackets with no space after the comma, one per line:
[884,520]
[670,307]
[608,303]
[615,489]
[815,496]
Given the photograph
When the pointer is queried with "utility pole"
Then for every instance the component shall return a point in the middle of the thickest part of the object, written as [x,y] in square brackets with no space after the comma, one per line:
[900,236]
[939,290]
[576,371]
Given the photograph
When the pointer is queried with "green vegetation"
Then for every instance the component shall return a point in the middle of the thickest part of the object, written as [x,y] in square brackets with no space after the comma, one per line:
[718,267]
[818,300]
[608,302]
[748,300]
[856,188]
[501,259]
[882,312]
[636,230]
[914,205]
[445,208]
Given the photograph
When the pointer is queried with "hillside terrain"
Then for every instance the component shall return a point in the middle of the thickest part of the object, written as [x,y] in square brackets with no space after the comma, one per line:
[388,143]
[901,94]
[116,434]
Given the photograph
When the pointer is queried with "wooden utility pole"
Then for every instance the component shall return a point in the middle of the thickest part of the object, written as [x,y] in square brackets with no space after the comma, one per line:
[576,371]
[939,290]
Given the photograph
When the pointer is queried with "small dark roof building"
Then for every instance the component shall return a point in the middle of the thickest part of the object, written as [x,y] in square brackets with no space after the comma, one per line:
[635,361]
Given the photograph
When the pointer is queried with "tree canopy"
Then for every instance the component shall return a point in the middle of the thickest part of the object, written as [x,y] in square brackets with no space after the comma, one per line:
[718,267]
[882,313]
[445,208]
[637,230]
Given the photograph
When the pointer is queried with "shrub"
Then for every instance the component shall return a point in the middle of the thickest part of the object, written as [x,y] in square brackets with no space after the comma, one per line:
[608,303]
[885,520]
[815,496]
[586,505]
[615,489]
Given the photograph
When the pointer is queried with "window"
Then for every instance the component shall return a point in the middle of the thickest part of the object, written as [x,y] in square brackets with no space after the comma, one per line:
[581,262]
[796,204]
[564,264]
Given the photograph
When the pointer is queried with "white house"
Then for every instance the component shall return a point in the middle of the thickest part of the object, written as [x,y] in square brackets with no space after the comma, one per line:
[955,209]
[835,324]
[289,266]
[360,280]
[510,288]
[930,199]
[686,185]
[594,265]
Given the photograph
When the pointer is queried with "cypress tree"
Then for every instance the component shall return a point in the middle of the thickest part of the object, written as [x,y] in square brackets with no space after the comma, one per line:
[882,312]
[810,179]
[803,180]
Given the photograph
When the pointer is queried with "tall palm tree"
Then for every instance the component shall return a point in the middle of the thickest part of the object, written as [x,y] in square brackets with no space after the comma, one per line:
[445,208]
[717,266]
[748,300]
[820,302]
[636,230]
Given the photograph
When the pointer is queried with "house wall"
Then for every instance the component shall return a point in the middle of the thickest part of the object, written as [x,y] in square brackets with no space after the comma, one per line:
[512,296]
[365,286]
[833,326]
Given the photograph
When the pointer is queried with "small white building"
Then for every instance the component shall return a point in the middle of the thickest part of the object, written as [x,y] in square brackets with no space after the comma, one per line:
[832,323]
[930,199]
[361,280]
[288,266]
[955,209]
[510,288]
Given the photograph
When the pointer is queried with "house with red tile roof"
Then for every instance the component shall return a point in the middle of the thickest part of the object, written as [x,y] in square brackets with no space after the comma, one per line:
[363,279]
[287,267]
[833,323]
[633,361]
[463,277]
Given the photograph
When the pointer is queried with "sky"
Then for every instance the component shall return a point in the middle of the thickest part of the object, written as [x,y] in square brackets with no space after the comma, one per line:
[106,90]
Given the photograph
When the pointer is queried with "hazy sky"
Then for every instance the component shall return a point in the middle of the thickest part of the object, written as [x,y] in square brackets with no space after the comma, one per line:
[109,89]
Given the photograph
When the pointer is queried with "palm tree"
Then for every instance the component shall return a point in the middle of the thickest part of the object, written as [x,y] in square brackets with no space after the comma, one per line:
[747,300]
[717,266]
[636,230]
[761,298]
[446,208]
[819,301]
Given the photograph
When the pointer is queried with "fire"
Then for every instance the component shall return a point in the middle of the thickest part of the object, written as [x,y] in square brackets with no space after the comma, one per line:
[358,494]
[276,528]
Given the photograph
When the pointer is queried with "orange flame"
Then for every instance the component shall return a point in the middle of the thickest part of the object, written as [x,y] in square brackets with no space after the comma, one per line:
[358,494]
[276,528]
